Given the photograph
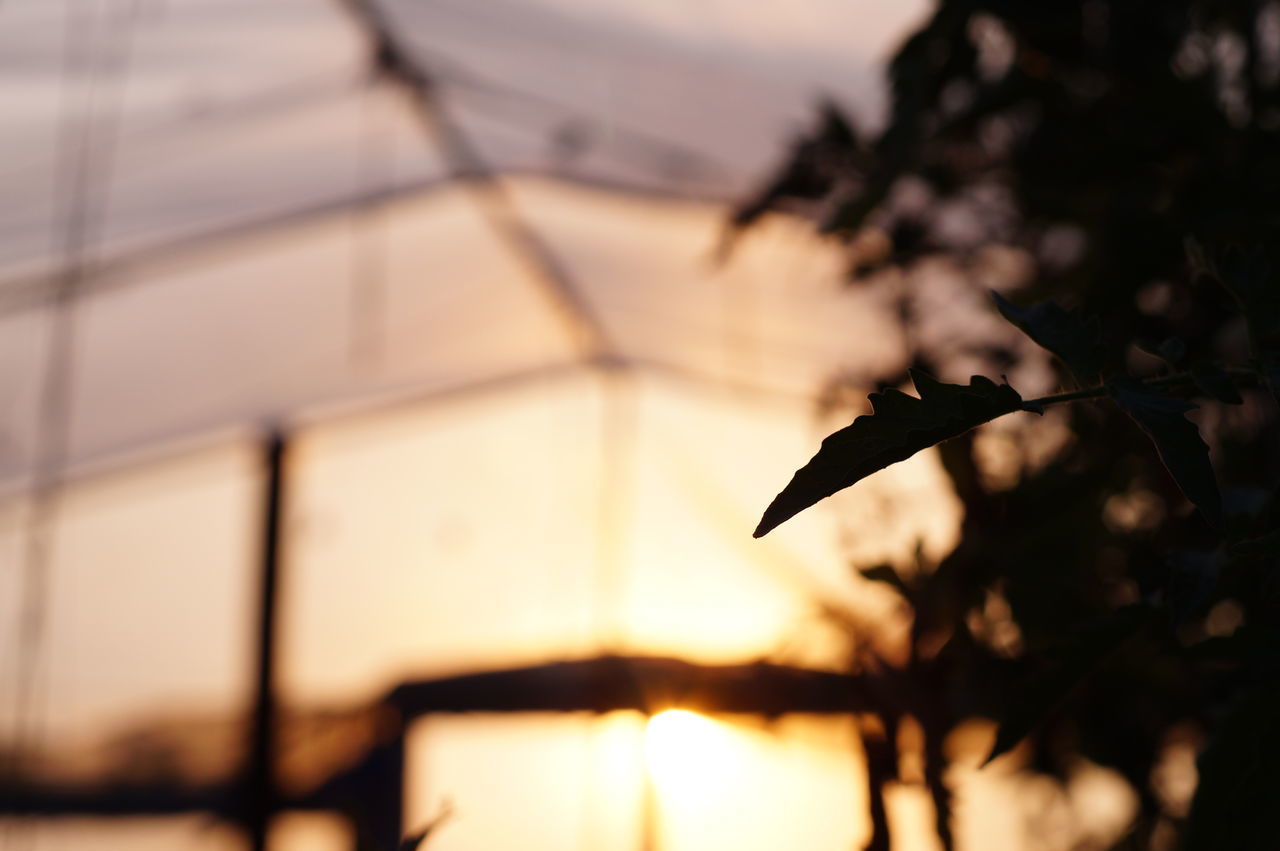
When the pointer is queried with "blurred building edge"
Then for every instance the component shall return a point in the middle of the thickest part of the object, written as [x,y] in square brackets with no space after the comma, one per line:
[351,763]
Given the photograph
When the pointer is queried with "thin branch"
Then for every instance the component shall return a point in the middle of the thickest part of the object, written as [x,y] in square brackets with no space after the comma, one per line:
[1176,379]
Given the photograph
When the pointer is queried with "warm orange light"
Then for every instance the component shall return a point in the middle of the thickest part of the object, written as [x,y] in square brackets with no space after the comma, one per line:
[690,756]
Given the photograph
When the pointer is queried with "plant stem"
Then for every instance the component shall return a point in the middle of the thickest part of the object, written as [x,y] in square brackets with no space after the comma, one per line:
[1172,380]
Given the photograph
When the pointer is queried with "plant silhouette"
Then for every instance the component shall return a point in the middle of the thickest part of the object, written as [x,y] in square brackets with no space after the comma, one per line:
[1113,171]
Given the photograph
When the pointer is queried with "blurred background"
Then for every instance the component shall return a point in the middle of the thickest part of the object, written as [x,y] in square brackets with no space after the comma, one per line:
[352,350]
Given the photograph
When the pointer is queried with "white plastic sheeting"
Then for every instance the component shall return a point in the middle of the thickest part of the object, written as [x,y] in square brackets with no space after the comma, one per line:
[253,232]
[225,171]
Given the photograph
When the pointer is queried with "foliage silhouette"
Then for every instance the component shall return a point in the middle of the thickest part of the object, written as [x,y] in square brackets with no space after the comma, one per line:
[1112,170]
[900,426]
[1063,332]
[1177,439]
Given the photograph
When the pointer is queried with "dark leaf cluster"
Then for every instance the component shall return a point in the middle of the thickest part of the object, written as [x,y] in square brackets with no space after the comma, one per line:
[1129,153]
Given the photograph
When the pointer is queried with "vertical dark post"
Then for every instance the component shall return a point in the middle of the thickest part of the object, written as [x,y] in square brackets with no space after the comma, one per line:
[260,781]
[384,796]
[882,766]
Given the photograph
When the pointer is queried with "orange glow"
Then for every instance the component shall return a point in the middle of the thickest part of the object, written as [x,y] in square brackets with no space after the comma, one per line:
[690,756]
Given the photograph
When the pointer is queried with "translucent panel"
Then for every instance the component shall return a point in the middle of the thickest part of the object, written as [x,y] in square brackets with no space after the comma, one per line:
[136,74]
[268,165]
[733,783]
[620,782]
[310,832]
[556,517]
[506,780]
[696,582]
[422,297]
[150,597]
[808,36]
[624,79]
[200,114]
[444,536]
[693,581]
[778,315]
[12,585]
[228,337]
[190,833]
[23,367]
[271,237]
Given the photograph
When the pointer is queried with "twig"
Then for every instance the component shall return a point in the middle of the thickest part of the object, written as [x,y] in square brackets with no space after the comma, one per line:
[1172,380]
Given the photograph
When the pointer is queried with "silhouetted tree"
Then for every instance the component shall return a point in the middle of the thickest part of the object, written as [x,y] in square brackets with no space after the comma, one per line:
[1114,169]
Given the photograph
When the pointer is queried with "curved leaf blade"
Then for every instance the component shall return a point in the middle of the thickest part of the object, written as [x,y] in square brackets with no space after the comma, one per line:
[1177,439]
[1065,333]
[886,574]
[898,427]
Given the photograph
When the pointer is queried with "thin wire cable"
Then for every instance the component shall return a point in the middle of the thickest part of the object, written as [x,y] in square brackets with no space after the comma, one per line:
[619,417]
[92,284]
[585,326]
[25,291]
[179,131]
[643,142]
[86,160]
[66,232]
[469,167]
[125,270]
[642,146]
[105,137]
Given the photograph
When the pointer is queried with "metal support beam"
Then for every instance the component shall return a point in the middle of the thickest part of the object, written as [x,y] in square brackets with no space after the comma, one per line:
[260,789]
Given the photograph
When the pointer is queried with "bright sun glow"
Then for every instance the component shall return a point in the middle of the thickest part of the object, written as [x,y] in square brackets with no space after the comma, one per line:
[690,756]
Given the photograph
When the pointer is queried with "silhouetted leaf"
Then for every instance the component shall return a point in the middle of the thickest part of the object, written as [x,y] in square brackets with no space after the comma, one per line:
[886,574]
[414,842]
[1065,333]
[899,427]
[1178,440]
[417,841]
[1042,693]
[1235,800]
[809,173]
